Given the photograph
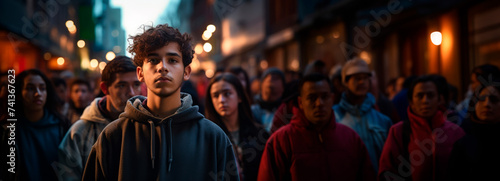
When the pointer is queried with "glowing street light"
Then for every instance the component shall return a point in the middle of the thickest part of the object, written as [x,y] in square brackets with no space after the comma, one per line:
[93,63]
[60,61]
[80,43]
[206,35]
[436,37]
[110,56]
[198,49]
[211,28]
[207,47]
[102,65]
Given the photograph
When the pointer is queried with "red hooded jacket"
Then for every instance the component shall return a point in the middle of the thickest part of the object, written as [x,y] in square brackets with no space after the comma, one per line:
[298,151]
[429,149]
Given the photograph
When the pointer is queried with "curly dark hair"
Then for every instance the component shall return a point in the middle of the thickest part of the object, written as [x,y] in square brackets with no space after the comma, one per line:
[154,38]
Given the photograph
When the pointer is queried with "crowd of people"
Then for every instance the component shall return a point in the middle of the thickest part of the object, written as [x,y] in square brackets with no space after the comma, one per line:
[155,119]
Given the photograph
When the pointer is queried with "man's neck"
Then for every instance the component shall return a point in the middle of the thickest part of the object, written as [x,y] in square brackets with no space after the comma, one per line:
[231,122]
[354,99]
[163,106]
[112,112]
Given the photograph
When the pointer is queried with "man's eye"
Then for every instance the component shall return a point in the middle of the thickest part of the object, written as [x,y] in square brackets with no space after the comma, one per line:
[154,60]
[173,60]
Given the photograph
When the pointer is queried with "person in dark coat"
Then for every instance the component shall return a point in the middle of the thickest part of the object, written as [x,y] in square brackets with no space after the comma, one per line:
[314,146]
[476,155]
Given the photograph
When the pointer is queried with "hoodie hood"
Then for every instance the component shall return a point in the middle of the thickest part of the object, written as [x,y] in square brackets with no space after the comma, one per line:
[93,114]
[136,111]
[362,109]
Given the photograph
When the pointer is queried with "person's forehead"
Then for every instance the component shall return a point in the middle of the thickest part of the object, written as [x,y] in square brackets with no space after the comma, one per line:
[79,86]
[319,86]
[427,86]
[170,47]
[34,79]
[132,75]
[221,86]
[490,90]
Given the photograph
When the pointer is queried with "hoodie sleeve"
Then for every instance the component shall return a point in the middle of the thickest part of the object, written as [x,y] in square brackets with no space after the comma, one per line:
[274,165]
[366,172]
[70,164]
[227,168]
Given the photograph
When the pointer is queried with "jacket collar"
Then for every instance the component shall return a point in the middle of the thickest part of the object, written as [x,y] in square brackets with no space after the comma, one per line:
[362,109]
[300,120]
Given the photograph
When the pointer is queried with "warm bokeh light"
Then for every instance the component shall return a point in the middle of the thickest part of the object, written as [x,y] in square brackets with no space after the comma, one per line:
[336,34]
[320,39]
[70,24]
[211,28]
[110,56]
[195,64]
[209,73]
[60,61]
[207,47]
[295,65]
[436,38]
[366,57]
[102,65]
[47,56]
[198,49]
[93,63]
[206,35]
[80,43]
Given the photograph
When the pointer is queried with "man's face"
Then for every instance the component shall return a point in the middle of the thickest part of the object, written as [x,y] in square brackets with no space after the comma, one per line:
[125,86]
[163,70]
[425,100]
[359,84]
[488,105]
[80,95]
[272,88]
[316,100]
[34,92]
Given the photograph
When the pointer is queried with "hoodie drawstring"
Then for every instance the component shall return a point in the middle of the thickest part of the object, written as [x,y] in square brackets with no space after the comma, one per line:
[153,134]
[170,157]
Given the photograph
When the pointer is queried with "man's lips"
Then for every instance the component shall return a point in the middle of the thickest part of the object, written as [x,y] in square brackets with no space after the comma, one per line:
[37,101]
[163,79]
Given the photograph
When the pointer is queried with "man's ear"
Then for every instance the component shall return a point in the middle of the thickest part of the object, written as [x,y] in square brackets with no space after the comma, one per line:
[299,101]
[104,88]
[140,74]
[187,72]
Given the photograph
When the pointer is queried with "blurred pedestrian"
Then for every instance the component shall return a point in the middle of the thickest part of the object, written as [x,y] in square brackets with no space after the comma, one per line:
[476,155]
[39,129]
[357,109]
[270,97]
[243,77]
[119,83]
[313,146]
[419,148]
[80,93]
[228,106]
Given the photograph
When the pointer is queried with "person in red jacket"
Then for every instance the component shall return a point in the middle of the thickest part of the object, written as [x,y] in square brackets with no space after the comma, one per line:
[419,148]
[313,146]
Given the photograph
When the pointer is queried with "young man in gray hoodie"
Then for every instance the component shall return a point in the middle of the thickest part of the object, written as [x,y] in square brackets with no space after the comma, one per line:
[162,137]
[119,83]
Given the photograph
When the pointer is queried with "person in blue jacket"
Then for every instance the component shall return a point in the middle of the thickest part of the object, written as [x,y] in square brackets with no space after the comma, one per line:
[162,137]
[357,109]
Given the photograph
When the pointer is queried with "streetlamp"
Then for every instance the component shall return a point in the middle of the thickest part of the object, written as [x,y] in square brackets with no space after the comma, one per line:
[437,39]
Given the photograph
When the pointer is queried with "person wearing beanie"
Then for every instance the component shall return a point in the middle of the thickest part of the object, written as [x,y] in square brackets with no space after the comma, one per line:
[270,97]
[356,109]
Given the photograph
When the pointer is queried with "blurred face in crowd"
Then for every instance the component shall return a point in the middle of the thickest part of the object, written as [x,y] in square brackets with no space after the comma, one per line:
[125,86]
[80,95]
[359,84]
[163,70]
[425,100]
[488,105]
[255,87]
[316,101]
[272,88]
[62,92]
[34,93]
[225,98]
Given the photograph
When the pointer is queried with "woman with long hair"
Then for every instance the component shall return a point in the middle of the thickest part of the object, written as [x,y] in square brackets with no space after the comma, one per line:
[228,105]
[38,130]
[476,155]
